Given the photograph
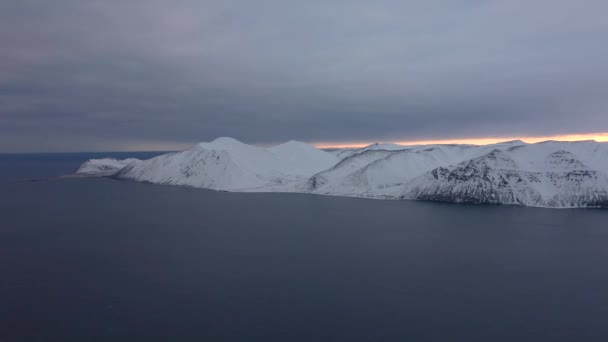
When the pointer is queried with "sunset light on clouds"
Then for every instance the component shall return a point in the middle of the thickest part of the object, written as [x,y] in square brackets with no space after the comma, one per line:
[92,76]
[599,137]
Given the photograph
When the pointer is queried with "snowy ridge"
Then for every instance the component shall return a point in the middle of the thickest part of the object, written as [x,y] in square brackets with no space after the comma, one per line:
[345,153]
[548,174]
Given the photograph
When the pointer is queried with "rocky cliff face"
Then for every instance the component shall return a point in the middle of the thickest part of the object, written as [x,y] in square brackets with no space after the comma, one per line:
[497,178]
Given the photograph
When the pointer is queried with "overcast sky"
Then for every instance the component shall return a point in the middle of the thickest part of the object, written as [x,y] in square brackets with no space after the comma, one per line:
[78,75]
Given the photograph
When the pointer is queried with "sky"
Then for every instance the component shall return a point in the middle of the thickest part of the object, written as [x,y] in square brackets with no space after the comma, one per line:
[78,75]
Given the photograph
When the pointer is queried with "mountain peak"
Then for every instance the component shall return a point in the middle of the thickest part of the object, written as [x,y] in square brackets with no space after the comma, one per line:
[513,142]
[226,141]
[222,143]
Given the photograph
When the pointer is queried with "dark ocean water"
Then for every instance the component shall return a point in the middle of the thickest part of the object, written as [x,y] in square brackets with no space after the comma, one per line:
[106,260]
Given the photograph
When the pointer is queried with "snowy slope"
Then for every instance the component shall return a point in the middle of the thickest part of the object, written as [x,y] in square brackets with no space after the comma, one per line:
[548,174]
[103,167]
[331,181]
[305,159]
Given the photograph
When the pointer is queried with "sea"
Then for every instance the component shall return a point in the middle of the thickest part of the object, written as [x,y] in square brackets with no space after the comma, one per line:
[98,259]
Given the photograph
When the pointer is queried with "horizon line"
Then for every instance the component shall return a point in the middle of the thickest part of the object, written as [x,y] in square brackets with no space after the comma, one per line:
[173,147]
[598,137]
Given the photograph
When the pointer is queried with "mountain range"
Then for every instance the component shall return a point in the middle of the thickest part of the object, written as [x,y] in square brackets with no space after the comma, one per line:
[547,174]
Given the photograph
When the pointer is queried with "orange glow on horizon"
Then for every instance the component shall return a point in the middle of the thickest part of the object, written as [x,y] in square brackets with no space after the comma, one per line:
[600,137]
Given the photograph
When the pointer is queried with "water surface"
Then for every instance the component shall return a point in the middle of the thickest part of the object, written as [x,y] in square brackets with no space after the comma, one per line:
[106,260]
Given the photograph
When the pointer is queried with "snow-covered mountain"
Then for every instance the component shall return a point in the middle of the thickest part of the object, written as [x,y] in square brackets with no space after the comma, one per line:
[227,164]
[381,173]
[548,174]
[545,175]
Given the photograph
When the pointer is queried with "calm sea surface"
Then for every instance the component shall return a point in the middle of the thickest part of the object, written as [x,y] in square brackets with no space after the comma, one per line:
[106,260]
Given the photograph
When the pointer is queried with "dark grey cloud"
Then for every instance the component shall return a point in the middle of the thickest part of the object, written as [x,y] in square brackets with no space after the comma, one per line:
[120,74]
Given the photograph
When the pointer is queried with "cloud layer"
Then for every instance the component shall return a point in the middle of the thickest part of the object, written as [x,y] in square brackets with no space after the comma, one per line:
[120,74]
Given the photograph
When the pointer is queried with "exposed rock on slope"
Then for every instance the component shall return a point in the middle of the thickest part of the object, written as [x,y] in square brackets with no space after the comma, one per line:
[559,179]
[103,167]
